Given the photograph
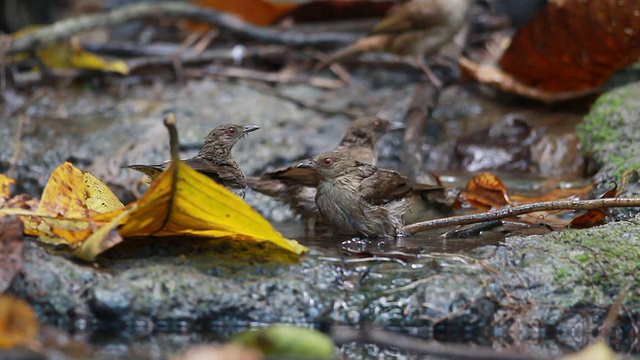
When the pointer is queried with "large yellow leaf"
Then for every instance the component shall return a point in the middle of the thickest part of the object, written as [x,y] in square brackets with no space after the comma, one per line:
[184,202]
[79,211]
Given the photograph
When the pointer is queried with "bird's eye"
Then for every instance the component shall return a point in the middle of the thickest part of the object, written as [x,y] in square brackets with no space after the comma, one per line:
[327,161]
[376,125]
[231,130]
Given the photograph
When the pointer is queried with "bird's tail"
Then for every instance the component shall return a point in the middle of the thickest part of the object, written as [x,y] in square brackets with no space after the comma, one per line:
[269,187]
[396,210]
[151,171]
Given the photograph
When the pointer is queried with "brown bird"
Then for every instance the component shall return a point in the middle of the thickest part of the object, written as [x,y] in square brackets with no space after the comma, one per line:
[214,158]
[297,186]
[346,196]
[415,28]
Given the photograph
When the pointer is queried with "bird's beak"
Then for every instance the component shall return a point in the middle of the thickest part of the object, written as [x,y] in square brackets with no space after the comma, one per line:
[306,165]
[250,128]
[396,125]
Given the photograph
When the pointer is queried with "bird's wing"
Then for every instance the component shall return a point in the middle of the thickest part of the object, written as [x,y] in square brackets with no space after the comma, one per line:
[225,174]
[413,15]
[295,175]
[436,194]
[383,186]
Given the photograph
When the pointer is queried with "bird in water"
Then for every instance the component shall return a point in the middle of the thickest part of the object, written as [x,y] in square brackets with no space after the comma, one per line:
[348,196]
[297,186]
[214,158]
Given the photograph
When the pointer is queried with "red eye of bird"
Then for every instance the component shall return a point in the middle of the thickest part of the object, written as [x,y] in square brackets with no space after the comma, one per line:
[376,125]
[327,161]
[231,130]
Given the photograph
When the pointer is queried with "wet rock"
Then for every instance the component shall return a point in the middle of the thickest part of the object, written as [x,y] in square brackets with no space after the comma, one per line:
[504,146]
[56,286]
[611,135]
[522,288]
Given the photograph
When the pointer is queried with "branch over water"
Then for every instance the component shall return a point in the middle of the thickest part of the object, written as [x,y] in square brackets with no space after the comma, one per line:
[519,210]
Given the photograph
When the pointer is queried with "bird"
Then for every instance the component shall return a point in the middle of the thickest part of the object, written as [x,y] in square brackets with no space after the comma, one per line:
[412,29]
[214,158]
[297,186]
[346,196]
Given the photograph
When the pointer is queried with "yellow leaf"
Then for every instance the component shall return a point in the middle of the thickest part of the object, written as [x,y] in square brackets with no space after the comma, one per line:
[5,186]
[193,204]
[70,201]
[597,351]
[65,194]
[81,59]
[101,198]
[18,323]
[79,211]
[100,241]
[64,55]
[288,341]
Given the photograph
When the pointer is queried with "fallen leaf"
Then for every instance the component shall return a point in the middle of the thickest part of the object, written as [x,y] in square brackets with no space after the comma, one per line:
[77,210]
[288,341]
[63,216]
[186,202]
[68,54]
[597,351]
[5,188]
[258,12]
[332,10]
[593,217]
[221,352]
[11,244]
[100,198]
[18,323]
[101,240]
[574,45]
[485,191]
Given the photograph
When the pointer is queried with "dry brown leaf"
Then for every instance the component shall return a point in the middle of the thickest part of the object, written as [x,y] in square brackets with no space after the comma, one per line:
[593,217]
[485,191]
[574,45]
[258,12]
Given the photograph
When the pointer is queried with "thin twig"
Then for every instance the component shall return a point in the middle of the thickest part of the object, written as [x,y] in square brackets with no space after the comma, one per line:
[344,334]
[17,149]
[279,78]
[519,210]
[193,57]
[175,10]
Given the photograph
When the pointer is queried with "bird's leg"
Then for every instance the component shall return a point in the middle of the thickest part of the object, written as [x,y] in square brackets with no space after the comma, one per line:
[418,61]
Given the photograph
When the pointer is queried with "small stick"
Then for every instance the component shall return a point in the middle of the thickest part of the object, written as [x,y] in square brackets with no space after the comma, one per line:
[17,149]
[175,10]
[344,335]
[519,210]
[273,77]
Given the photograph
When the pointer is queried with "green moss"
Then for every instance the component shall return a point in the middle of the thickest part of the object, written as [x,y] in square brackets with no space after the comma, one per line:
[582,258]
[607,257]
[610,133]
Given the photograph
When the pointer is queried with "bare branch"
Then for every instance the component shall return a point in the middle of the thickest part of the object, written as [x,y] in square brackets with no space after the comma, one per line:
[174,10]
[519,210]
